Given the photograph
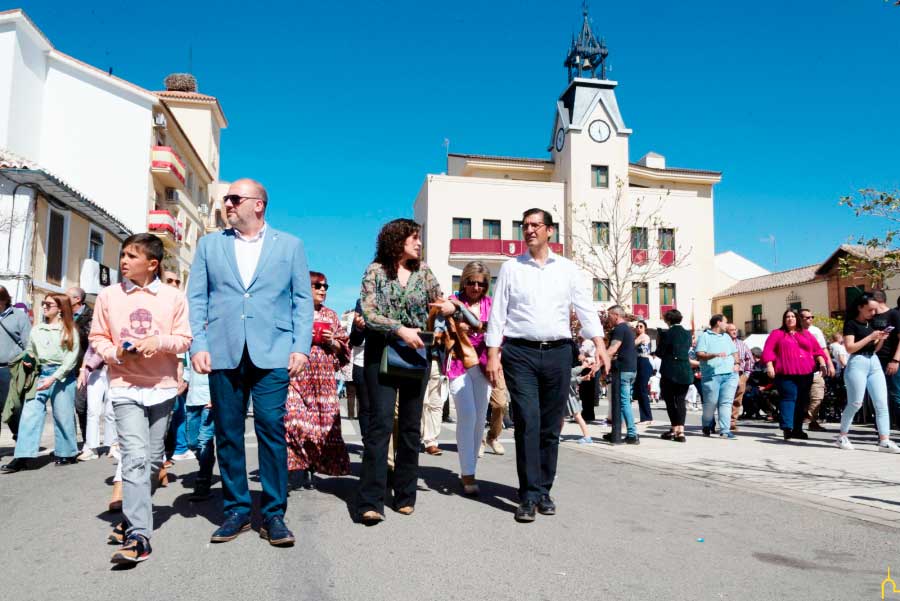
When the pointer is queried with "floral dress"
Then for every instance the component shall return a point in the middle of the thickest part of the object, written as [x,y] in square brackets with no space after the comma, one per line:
[312,420]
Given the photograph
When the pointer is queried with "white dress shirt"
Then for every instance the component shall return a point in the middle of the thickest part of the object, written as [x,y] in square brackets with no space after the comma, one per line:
[533,301]
[246,252]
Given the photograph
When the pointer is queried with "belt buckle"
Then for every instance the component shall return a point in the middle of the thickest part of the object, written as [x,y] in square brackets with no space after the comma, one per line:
[544,345]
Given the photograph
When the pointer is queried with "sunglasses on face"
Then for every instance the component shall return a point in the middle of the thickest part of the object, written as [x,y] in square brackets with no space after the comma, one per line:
[236,199]
[807,317]
[320,286]
[476,284]
[48,305]
[173,282]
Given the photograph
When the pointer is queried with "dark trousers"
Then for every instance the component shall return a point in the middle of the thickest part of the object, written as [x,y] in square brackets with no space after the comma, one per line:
[231,390]
[794,391]
[641,388]
[4,392]
[587,393]
[538,383]
[673,394]
[362,398]
[384,391]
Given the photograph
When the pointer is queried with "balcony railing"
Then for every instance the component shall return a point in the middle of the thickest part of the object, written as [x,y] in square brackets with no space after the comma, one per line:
[667,257]
[639,256]
[163,224]
[507,248]
[166,165]
[756,326]
[642,311]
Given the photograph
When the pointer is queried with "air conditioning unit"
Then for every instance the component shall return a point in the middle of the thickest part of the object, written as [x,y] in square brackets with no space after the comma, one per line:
[171,195]
[159,120]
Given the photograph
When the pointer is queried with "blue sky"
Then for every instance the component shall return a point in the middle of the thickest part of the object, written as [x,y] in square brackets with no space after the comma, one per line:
[341,108]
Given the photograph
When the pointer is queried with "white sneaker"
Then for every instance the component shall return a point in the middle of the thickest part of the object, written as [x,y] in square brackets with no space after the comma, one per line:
[842,442]
[182,456]
[114,453]
[888,446]
[87,454]
[481,450]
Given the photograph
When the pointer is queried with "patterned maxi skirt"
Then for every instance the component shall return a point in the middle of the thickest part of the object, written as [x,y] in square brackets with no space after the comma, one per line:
[313,420]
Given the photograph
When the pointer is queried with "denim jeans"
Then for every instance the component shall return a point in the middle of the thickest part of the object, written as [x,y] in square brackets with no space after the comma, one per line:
[31,424]
[626,387]
[201,431]
[864,374]
[893,388]
[176,439]
[142,434]
[718,394]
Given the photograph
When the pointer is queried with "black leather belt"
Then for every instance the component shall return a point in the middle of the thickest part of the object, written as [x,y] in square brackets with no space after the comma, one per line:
[538,344]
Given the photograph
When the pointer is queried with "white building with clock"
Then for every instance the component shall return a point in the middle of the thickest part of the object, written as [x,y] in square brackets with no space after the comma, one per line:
[642,230]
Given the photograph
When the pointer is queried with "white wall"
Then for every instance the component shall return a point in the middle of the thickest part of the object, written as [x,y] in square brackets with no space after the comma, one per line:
[199,124]
[812,296]
[98,138]
[22,115]
[16,224]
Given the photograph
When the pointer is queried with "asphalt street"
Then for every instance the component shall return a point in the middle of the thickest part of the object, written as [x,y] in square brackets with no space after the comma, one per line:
[622,532]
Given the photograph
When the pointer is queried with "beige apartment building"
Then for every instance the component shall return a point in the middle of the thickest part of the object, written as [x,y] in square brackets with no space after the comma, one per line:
[642,231]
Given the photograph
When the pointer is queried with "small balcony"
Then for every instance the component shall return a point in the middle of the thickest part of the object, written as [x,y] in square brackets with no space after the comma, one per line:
[642,311]
[639,256]
[756,326]
[504,248]
[167,168]
[663,309]
[667,258]
[164,225]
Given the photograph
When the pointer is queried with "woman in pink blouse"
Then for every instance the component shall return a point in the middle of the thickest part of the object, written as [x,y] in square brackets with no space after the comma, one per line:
[790,355]
[470,387]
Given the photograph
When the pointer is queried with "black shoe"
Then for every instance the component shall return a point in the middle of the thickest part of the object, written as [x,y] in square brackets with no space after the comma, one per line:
[707,431]
[667,435]
[309,483]
[608,437]
[19,463]
[201,492]
[799,434]
[632,440]
[788,434]
[65,461]
[525,512]
[277,533]
[234,524]
[679,438]
[546,506]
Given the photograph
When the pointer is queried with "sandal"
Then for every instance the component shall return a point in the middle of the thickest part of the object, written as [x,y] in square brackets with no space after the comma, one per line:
[406,510]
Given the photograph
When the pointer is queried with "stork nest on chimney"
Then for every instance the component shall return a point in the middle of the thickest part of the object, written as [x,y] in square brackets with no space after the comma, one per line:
[181,82]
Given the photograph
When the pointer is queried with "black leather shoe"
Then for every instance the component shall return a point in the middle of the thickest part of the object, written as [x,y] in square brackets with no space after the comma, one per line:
[525,512]
[546,506]
[277,533]
[234,524]
[632,440]
[609,438]
[679,438]
[65,461]
[667,435]
[19,463]
[707,431]
[799,435]
[201,492]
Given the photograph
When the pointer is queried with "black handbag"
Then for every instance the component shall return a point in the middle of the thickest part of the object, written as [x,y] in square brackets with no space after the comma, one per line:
[402,361]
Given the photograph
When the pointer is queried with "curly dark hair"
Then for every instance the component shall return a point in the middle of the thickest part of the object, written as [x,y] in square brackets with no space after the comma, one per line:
[389,246]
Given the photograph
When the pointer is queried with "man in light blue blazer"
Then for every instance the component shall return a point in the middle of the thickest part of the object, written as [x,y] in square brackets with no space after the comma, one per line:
[251,312]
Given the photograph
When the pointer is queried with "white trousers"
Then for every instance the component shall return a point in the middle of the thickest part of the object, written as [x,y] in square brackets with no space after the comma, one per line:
[98,406]
[433,406]
[471,393]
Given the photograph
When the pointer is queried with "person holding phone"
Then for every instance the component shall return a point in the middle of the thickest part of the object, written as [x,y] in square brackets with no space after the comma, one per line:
[396,294]
[312,419]
[791,355]
[863,372]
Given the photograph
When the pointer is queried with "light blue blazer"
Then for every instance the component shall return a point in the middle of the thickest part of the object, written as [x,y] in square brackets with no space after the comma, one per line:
[272,316]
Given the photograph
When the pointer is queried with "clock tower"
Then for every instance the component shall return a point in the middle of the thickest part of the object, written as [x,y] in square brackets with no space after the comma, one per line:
[589,141]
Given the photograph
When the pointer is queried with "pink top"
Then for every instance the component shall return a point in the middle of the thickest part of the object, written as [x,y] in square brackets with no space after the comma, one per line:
[793,354]
[129,312]
[456,367]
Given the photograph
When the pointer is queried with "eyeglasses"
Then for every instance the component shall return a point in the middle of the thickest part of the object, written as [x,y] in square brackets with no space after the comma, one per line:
[320,286]
[477,284]
[810,317]
[236,199]
[48,305]
[173,282]
[532,226]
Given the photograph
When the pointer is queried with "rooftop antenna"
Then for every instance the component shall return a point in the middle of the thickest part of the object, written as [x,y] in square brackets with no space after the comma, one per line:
[190,58]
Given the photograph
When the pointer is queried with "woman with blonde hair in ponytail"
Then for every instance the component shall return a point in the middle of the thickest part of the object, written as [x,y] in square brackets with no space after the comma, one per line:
[52,351]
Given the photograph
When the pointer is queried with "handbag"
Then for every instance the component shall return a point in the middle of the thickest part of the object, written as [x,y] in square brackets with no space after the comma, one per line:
[402,361]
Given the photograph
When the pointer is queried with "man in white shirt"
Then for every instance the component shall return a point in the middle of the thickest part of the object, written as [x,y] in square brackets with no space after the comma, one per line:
[533,298]
[817,391]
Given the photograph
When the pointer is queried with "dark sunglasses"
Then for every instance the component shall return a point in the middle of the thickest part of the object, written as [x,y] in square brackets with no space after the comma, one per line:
[47,305]
[236,199]
[173,282]
[476,284]
[320,286]
[807,317]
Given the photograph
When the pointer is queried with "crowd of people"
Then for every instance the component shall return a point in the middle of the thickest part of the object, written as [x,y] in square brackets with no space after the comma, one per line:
[170,376]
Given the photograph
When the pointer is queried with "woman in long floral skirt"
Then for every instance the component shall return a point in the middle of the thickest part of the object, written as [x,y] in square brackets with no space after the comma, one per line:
[313,418]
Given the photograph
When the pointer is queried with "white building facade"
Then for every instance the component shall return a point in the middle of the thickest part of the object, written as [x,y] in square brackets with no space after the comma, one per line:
[642,231]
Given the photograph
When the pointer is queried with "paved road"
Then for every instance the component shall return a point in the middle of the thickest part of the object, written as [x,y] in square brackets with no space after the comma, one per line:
[622,532]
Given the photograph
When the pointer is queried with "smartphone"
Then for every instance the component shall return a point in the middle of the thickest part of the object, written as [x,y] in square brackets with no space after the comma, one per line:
[128,347]
[888,329]
[427,338]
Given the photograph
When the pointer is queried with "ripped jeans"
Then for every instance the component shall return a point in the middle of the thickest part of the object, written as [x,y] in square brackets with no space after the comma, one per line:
[142,436]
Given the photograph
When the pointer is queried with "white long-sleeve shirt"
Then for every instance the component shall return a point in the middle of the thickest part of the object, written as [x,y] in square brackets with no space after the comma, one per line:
[533,301]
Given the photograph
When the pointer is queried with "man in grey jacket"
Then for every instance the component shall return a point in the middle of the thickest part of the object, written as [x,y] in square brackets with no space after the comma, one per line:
[15,328]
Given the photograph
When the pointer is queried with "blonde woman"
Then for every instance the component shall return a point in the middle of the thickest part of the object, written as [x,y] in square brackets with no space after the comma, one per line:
[470,387]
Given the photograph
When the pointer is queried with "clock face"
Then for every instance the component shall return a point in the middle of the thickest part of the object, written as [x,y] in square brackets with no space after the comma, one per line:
[599,130]
[560,139]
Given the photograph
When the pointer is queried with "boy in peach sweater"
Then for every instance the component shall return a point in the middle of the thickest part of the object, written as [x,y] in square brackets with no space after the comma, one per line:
[139,327]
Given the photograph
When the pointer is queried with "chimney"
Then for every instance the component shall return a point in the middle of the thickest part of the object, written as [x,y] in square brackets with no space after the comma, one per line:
[653,160]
